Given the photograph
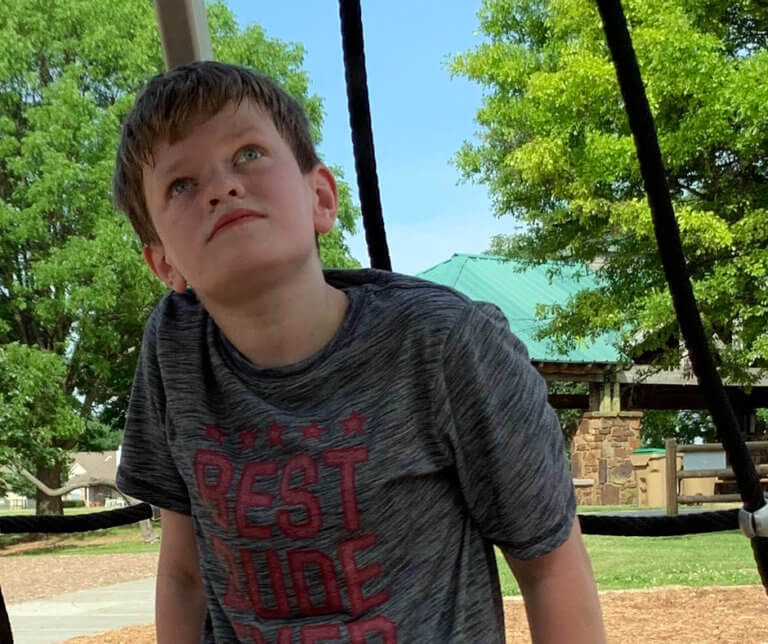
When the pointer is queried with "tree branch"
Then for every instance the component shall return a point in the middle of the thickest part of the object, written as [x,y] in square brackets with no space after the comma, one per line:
[147,531]
[91,481]
[22,327]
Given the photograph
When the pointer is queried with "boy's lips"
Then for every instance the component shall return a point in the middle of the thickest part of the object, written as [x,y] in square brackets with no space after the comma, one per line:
[233,216]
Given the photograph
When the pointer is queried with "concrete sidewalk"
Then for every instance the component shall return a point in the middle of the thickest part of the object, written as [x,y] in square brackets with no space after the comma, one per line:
[85,612]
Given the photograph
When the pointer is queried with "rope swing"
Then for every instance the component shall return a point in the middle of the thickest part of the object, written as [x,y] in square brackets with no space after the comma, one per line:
[362,133]
[753,519]
[671,254]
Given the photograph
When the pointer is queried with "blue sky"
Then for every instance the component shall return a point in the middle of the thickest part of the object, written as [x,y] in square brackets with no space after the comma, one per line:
[420,116]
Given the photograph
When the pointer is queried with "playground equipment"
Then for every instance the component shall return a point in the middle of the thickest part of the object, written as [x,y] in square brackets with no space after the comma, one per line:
[185,37]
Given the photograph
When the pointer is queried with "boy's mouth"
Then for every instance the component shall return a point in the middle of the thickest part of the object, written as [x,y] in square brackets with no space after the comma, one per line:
[233,216]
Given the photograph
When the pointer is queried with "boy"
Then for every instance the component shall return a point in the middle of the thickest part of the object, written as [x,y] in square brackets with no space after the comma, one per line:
[334,454]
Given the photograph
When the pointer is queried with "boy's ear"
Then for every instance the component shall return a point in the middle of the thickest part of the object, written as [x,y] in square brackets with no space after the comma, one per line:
[326,198]
[154,255]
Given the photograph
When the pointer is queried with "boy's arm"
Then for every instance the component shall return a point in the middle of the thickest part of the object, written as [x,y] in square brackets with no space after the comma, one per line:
[179,601]
[560,594]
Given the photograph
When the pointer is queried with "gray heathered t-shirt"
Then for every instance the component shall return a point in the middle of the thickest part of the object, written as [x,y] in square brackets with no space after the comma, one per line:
[354,496]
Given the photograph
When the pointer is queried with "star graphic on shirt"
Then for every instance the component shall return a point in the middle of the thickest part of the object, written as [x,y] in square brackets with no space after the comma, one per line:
[275,434]
[354,424]
[213,433]
[247,439]
[312,431]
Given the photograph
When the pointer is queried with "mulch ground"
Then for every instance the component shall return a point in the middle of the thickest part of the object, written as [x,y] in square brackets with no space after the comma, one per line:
[722,615]
[679,615]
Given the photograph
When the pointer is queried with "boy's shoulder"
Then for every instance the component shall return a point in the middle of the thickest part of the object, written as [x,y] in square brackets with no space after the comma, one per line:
[387,297]
[176,312]
[398,296]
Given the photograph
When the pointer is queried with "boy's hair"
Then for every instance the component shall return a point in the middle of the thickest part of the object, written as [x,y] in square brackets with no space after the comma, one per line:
[173,102]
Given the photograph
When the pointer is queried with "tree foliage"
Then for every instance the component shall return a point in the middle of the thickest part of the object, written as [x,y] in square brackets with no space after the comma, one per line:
[556,152]
[74,290]
[684,426]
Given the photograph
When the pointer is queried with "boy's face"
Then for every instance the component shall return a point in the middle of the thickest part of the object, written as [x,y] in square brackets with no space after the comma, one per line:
[231,206]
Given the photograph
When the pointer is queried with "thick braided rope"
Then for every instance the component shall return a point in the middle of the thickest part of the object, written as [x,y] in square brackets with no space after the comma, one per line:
[362,133]
[659,526]
[6,636]
[77,522]
[671,253]
[628,526]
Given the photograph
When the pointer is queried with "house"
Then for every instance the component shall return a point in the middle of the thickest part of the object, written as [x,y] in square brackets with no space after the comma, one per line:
[93,465]
[13,501]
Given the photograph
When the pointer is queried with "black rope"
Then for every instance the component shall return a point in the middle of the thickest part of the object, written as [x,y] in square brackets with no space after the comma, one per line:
[362,133]
[671,253]
[75,523]
[659,526]
[628,526]
[6,636]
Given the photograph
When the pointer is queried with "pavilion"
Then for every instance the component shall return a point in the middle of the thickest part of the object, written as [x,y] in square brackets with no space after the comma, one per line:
[619,390]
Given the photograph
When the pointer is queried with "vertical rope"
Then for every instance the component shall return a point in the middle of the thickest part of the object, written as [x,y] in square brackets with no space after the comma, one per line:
[6,636]
[362,133]
[671,253]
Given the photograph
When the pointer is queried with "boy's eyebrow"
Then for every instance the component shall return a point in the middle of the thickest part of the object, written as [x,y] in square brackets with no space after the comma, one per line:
[173,167]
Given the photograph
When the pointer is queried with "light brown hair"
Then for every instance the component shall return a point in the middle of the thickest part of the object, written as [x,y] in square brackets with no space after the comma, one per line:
[173,101]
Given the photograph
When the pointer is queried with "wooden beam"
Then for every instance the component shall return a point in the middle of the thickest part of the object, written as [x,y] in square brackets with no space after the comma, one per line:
[727,473]
[645,396]
[184,31]
[752,446]
[569,401]
[572,372]
[643,374]
[716,498]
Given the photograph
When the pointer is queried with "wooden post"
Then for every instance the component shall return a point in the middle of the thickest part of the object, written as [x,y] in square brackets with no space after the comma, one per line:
[671,472]
[606,398]
[595,396]
[615,398]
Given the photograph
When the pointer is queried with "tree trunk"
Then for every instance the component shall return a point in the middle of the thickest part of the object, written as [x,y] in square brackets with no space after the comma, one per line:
[51,476]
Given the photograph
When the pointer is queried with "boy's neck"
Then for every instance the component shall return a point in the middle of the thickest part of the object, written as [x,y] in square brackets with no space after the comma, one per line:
[283,324]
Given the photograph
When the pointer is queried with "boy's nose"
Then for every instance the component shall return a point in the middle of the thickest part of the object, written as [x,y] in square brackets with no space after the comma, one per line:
[223,185]
[214,201]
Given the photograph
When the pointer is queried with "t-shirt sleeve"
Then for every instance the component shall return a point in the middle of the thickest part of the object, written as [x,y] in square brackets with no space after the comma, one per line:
[506,439]
[147,470]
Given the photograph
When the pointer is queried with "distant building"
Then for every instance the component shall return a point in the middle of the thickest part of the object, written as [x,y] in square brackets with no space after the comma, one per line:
[619,390]
[13,501]
[87,465]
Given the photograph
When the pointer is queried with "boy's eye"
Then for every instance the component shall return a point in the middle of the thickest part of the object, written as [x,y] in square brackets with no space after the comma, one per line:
[250,153]
[179,186]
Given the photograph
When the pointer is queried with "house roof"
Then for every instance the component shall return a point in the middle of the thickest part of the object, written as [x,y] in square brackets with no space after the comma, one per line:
[101,465]
[517,291]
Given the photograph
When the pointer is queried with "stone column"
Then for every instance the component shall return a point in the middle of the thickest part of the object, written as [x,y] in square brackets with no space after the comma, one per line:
[600,451]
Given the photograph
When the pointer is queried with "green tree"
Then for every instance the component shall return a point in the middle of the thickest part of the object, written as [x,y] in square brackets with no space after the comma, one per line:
[556,152]
[74,291]
[683,426]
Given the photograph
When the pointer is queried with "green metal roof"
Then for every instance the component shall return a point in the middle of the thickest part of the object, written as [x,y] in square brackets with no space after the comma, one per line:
[517,292]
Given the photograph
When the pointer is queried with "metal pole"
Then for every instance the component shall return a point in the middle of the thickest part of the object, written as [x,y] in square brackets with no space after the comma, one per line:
[184,31]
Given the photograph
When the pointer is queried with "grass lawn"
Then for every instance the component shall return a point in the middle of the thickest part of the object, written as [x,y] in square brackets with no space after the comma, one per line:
[122,540]
[620,563]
